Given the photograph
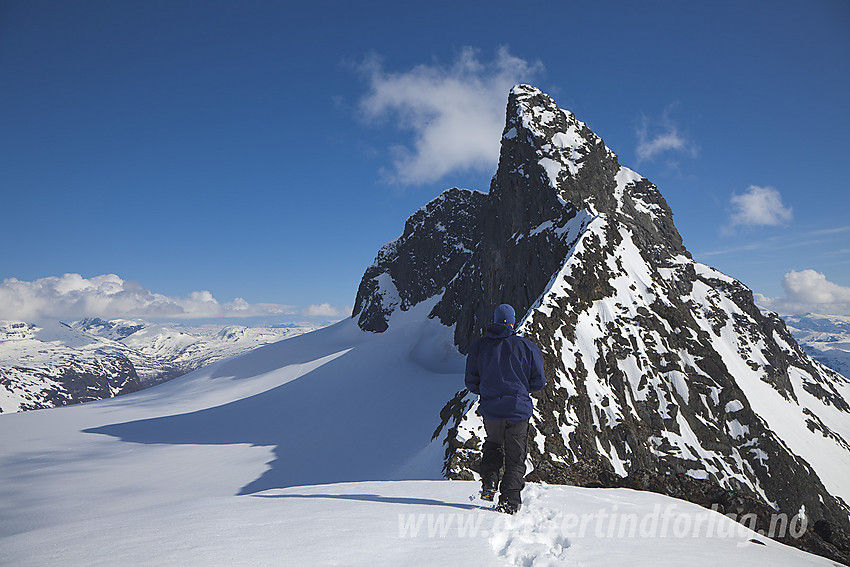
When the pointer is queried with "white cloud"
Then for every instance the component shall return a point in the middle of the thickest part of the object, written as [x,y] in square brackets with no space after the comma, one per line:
[809,286]
[660,136]
[648,147]
[456,114]
[325,310]
[836,230]
[72,296]
[808,291]
[759,206]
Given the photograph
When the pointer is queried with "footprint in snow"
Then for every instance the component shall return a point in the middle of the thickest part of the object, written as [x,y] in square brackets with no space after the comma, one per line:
[532,537]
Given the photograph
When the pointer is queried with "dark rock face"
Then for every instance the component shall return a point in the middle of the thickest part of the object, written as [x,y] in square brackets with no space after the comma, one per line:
[437,241]
[662,372]
[116,376]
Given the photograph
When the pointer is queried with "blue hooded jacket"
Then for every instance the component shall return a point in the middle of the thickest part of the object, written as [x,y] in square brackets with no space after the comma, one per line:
[503,368]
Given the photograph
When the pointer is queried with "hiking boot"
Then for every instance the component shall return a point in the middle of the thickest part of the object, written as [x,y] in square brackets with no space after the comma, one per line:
[508,507]
[488,493]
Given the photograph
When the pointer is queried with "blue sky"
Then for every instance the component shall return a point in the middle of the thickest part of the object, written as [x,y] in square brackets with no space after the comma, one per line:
[265,150]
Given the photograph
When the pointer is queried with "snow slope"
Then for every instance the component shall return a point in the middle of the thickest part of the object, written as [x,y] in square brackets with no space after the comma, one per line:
[312,451]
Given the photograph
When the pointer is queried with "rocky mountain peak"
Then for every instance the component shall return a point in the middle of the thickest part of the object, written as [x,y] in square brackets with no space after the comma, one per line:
[554,143]
[552,170]
[663,374]
[548,151]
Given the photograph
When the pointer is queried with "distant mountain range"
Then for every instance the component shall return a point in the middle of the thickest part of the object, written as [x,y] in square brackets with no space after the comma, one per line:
[826,338]
[49,364]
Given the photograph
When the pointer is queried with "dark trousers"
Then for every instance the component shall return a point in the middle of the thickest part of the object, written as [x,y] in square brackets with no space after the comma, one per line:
[506,444]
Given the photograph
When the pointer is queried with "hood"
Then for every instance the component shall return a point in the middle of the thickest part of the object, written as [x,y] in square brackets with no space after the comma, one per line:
[499,331]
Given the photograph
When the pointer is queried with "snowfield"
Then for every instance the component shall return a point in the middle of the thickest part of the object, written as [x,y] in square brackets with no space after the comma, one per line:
[315,451]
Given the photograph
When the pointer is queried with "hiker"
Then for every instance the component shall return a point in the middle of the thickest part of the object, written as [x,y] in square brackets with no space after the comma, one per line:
[503,368]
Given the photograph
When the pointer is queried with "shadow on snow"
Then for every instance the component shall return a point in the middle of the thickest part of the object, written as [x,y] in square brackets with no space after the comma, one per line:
[377,498]
[362,415]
